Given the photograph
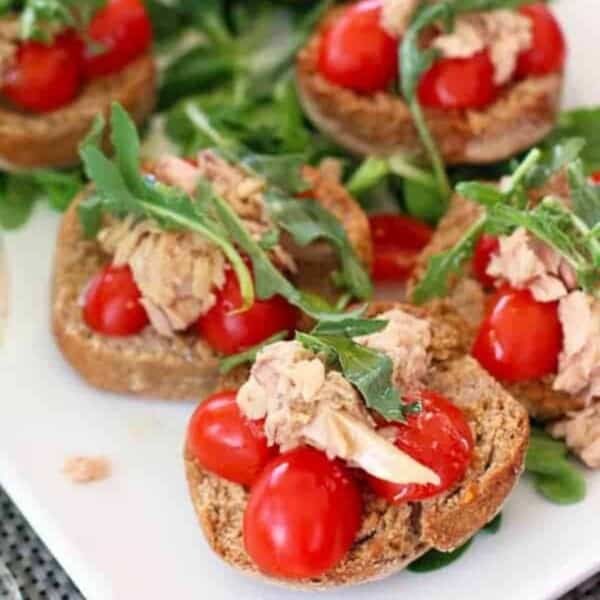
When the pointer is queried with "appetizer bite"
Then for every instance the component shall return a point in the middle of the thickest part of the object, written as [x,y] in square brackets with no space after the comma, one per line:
[163,269]
[482,89]
[342,456]
[529,287]
[60,69]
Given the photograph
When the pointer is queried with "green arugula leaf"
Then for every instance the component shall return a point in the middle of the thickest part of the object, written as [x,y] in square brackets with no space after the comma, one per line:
[442,266]
[351,327]
[584,195]
[307,221]
[581,123]
[248,356]
[90,211]
[368,175]
[435,560]
[493,527]
[283,171]
[368,370]
[553,159]
[58,186]
[18,194]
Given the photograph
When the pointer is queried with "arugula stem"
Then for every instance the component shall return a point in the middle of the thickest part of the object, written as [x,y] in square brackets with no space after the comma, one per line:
[239,266]
[435,157]
[528,162]
[201,122]
[400,166]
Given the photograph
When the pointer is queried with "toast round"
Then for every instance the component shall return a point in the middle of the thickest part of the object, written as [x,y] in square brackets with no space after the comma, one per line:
[391,537]
[29,141]
[468,298]
[382,125]
[182,367]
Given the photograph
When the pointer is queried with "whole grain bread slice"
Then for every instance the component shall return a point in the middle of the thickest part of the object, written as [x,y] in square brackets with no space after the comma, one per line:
[180,367]
[382,125]
[468,298]
[391,537]
[29,141]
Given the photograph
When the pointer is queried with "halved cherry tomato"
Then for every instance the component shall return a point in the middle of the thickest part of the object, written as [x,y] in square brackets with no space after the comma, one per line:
[44,78]
[438,437]
[486,246]
[459,83]
[397,241]
[112,303]
[520,338]
[123,31]
[357,53]
[230,332]
[302,516]
[223,441]
[548,49]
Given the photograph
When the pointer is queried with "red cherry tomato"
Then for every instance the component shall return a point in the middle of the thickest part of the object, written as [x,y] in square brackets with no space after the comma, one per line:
[438,437]
[223,441]
[124,32]
[230,332]
[486,246]
[112,303]
[520,338]
[45,78]
[302,516]
[595,177]
[397,242]
[548,50]
[357,53]
[459,83]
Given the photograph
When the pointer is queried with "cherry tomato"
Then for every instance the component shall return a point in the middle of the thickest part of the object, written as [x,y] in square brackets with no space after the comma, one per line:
[112,303]
[548,50]
[302,516]
[595,177]
[44,78]
[459,83]
[357,53]
[123,31]
[520,338]
[397,242]
[486,246]
[438,437]
[230,332]
[223,441]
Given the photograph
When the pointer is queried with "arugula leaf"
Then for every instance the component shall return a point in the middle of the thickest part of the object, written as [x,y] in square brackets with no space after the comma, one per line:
[584,195]
[351,327]
[435,559]
[59,187]
[248,356]
[369,174]
[553,159]
[307,221]
[368,370]
[442,266]
[283,171]
[581,123]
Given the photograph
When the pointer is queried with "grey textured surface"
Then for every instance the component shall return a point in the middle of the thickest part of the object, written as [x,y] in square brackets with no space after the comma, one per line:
[40,577]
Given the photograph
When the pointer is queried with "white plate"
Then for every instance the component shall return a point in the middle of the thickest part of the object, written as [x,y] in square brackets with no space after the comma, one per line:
[135,535]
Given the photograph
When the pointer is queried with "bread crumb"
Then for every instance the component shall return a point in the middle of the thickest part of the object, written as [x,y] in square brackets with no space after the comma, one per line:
[86,469]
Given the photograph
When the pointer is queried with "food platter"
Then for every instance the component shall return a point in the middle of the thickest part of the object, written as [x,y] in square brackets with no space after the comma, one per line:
[134,535]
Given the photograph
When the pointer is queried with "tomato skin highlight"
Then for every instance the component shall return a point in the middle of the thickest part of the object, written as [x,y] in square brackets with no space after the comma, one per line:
[302,516]
[520,338]
[487,245]
[459,83]
[112,303]
[230,332]
[123,30]
[548,50]
[438,437]
[224,442]
[357,53]
[397,242]
[45,78]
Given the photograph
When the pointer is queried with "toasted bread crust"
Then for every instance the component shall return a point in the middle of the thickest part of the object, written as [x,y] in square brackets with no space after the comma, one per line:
[393,536]
[30,141]
[468,297]
[382,124]
[182,367]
